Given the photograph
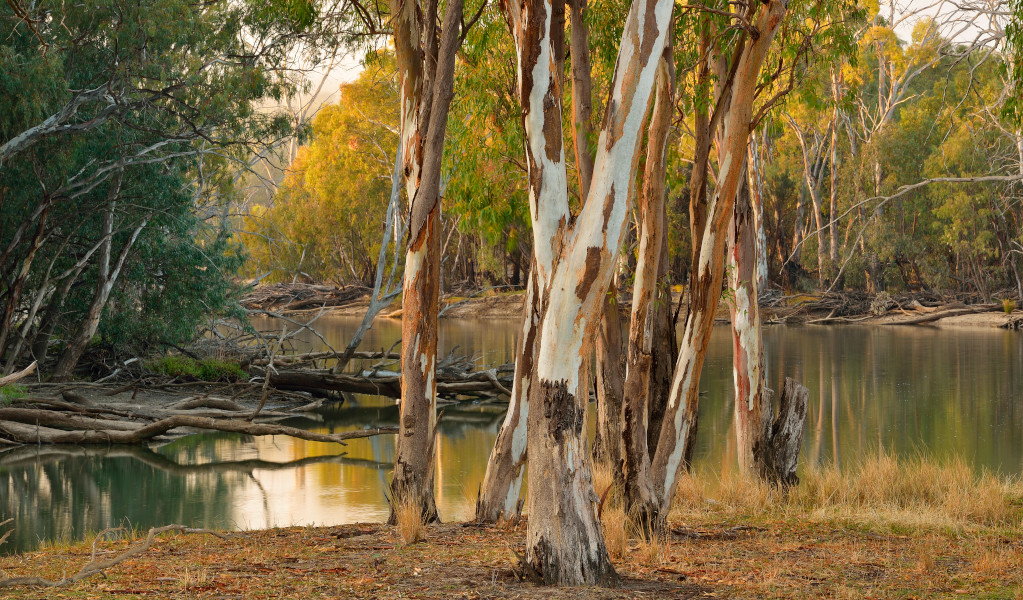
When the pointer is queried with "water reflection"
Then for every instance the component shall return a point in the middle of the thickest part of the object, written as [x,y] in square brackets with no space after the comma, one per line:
[908,390]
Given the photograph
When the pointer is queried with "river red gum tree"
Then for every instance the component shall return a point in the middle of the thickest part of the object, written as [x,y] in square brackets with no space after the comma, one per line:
[564,542]
[653,486]
[426,75]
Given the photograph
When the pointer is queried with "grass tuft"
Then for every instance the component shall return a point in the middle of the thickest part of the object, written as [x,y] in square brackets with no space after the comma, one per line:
[10,393]
[408,517]
[613,520]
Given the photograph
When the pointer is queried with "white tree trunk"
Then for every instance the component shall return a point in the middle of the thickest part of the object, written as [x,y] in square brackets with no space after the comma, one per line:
[564,542]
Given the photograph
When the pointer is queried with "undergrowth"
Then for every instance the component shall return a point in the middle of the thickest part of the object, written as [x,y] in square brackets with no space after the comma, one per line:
[206,369]
[12,392]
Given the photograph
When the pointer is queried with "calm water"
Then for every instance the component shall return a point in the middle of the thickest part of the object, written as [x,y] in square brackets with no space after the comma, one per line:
[907,390]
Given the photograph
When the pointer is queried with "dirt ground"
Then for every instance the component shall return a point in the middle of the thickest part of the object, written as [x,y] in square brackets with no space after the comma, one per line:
[699,560]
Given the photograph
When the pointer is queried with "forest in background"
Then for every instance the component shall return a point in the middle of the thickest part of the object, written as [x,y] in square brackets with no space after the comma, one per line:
[894,165]
[204,142]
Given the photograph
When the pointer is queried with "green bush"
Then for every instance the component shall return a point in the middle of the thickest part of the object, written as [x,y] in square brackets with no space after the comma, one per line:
[206,369]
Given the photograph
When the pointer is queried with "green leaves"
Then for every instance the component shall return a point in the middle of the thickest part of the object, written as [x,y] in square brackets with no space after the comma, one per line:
[1014,62]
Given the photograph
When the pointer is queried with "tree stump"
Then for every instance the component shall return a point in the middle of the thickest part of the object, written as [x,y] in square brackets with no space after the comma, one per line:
[778,455]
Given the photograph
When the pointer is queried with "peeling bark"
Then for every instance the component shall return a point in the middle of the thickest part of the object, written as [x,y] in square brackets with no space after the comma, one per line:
[539,93]
[502,483]
[648,326]
[752,412]
[564,541]
[426,86]
[756,187]
[705,290]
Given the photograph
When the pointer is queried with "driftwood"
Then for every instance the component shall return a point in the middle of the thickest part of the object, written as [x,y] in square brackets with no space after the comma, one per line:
[935,316]
[37,434]
[294,359]
[778,457]
[98,566]
[206,402]
[300,296]
[387,383]
[15,377]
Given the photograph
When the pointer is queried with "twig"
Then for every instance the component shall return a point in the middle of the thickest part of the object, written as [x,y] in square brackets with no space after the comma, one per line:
[266,378]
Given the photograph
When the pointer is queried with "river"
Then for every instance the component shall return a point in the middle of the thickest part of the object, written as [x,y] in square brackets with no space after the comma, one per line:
[907,390]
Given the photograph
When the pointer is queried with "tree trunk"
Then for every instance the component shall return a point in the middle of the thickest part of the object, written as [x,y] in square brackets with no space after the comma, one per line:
[680,416]
[105,279]
[646,399]
[756,188]
[564,542]
[665,346]
[833,170]
[778,455]
[14,290]
[548,202]
[48,322]
[610,372]
[752,412]
[426,88]
[502,483]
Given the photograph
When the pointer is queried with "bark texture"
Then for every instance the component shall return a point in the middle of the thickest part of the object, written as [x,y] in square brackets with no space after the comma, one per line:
[564,542]
[752,412]
[610,384]
[426,86]
[502,483]
[705,288]
[645,392]
[778,456]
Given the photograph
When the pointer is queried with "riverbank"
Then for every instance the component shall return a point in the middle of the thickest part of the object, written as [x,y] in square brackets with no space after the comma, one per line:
[776,308]
[918,529]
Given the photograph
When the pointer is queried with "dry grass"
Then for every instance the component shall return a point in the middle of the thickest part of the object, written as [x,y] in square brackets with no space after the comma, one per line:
[882,529]
[711,558]
[195,578]
[652,550]
[616,538]
[879,492]
[408,516]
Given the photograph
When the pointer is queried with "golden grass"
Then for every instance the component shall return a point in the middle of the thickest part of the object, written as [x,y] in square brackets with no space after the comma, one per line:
[616,538]
[408,517]
[879,491]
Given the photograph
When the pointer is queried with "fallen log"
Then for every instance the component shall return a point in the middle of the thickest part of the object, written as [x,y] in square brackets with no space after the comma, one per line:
[33,434]
[294,359]
[389,383]
[935,316]
[51,418]
[205,402]
[15,377]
